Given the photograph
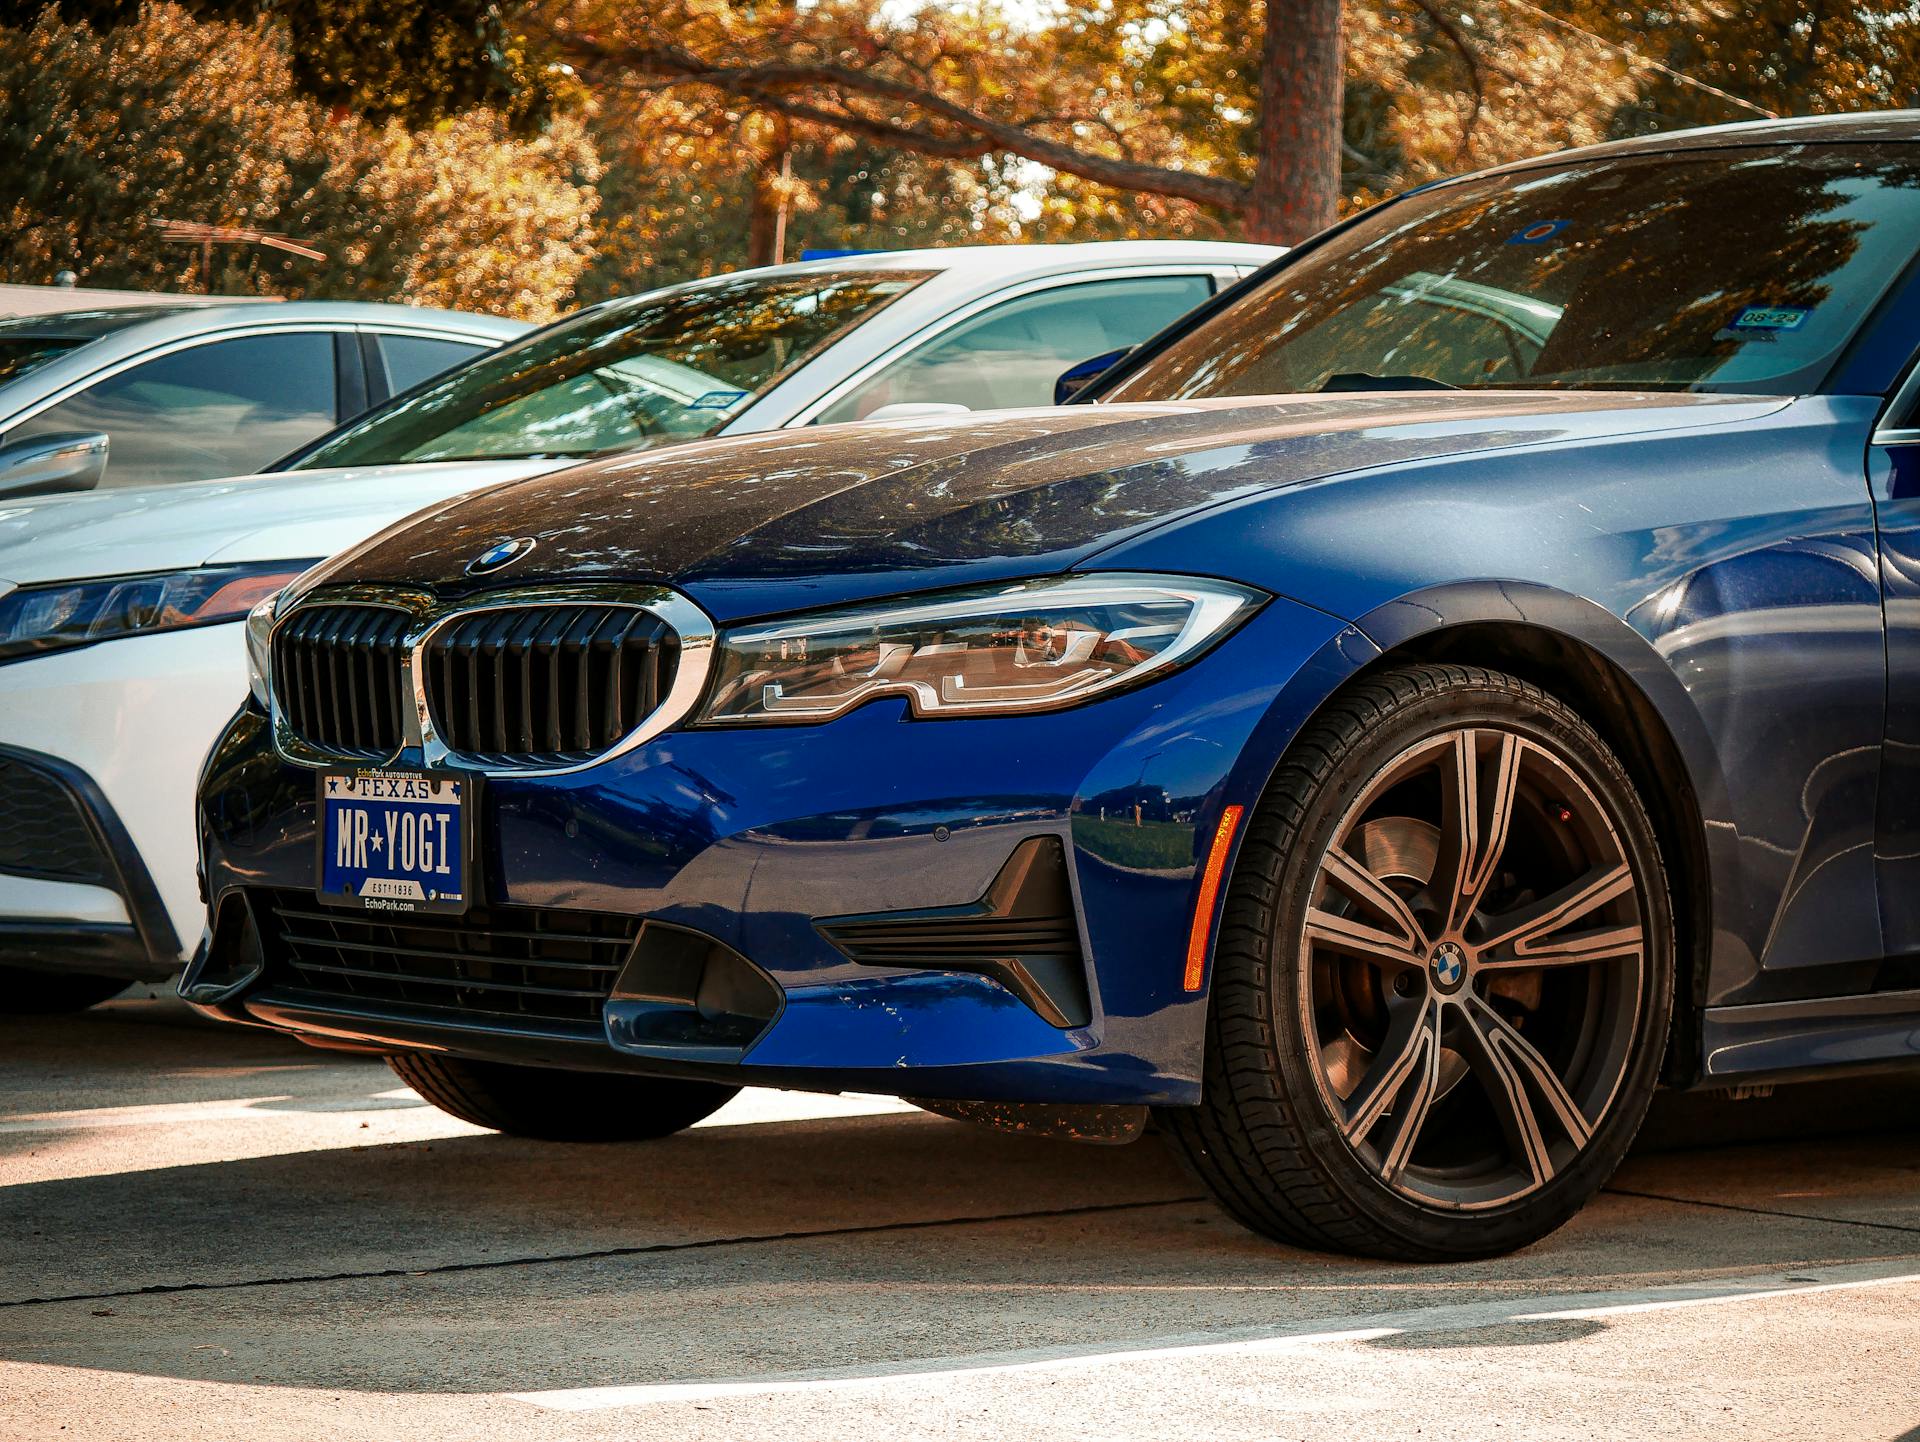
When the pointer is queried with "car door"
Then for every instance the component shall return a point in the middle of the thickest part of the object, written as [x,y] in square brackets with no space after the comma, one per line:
[1894,470]
[1009,349]
[222,406]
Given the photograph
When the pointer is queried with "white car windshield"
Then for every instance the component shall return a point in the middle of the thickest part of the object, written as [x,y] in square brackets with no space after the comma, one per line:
[633,373]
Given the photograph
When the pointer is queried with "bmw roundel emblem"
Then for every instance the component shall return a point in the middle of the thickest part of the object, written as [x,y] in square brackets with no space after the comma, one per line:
[500,554]
[1449,965]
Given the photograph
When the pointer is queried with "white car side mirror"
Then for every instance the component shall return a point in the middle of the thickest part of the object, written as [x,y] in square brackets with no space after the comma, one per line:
[42,465]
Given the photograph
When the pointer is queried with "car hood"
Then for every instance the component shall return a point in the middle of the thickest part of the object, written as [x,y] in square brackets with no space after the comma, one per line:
[768,522]
[284,516]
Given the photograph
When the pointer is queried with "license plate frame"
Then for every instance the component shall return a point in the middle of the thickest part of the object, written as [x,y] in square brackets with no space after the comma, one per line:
[388,796]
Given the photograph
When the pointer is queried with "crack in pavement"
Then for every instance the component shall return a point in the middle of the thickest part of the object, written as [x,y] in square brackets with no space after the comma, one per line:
[1762,1211]
[161,1289]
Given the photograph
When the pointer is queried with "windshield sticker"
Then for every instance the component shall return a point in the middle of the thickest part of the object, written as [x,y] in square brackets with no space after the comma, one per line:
[1771,318]
[1539,232]
[717,401]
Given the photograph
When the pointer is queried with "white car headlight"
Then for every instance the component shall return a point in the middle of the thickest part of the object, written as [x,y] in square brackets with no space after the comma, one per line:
[64,614]
[1031,646]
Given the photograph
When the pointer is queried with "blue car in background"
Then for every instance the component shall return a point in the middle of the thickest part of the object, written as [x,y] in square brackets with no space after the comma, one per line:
[1460,679]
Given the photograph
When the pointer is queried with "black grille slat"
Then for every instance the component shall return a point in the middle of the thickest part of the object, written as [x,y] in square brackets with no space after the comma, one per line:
[579,639]
[463,982]
[523,733]
[527,963]
[428,954]
[613,713]
[546,683]
[548,641]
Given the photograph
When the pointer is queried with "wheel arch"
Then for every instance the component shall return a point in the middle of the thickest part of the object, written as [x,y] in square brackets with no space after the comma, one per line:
[1593,660]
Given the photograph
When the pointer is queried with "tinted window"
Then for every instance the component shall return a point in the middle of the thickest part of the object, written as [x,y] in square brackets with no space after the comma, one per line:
[1012,354]
[221,409]
[651,369]
[413,358]
[21,355]
[1735,270]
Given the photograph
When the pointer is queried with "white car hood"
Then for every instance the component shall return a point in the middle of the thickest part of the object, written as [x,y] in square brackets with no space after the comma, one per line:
[287,516]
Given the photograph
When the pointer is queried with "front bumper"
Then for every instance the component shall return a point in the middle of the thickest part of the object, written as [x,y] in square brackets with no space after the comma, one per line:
[74,893]
[123,725]
[750,838]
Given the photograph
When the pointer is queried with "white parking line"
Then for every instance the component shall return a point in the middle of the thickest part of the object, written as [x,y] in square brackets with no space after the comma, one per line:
[1343,1330]
[1619,1309]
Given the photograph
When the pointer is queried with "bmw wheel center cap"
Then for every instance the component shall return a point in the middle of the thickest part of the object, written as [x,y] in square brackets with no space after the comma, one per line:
[1448,964]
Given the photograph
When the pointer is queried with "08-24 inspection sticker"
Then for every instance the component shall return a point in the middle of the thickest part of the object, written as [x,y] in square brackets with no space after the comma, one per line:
[1755,321]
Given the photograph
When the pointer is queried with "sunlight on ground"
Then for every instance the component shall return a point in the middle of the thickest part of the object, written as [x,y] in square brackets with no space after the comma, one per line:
[108,1140]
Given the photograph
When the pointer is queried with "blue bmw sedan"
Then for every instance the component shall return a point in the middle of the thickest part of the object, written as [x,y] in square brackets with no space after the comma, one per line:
[1465,677]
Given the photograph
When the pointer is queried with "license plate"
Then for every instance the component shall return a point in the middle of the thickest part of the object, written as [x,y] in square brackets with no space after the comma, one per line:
[396,840]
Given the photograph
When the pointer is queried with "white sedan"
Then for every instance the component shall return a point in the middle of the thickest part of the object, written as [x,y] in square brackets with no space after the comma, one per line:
[121,648]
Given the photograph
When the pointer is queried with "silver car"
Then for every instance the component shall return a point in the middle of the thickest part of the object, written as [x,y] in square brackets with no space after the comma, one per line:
[148,395]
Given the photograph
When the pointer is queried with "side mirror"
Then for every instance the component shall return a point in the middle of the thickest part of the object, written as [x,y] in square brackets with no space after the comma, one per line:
[43,465]
[1074,379]
[904,410]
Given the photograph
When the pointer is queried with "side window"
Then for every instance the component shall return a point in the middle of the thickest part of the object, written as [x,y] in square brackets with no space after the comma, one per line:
[226,408]
[1011,354]
[413,358]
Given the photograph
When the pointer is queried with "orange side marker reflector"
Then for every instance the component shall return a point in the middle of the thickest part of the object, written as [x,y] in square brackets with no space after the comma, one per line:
[1210,880]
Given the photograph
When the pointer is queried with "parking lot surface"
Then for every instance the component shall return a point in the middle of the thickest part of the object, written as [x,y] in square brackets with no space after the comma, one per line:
[209,1233]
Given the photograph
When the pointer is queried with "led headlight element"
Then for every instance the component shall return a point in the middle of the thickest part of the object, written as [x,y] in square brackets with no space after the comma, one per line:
[1033,646]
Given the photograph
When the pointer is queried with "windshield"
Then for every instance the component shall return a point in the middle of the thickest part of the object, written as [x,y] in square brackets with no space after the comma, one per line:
[654,368]
[1735,270]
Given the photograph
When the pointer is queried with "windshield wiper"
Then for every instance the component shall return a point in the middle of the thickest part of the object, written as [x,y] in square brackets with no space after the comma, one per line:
[1361,381]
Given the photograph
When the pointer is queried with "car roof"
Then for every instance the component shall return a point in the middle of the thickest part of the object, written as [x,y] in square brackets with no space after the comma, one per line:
[172,322]
[84,325]
[1860,127]
[1010,261]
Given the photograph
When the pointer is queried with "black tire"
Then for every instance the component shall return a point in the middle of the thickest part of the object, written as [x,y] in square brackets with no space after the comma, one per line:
[559,1106]
[54,993]
[1407,1163]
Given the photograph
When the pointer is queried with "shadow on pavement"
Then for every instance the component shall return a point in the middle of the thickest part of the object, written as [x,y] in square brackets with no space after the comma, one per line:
[478,1263]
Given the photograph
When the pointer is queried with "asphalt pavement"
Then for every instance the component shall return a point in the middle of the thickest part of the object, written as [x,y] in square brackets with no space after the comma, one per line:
[210,1233]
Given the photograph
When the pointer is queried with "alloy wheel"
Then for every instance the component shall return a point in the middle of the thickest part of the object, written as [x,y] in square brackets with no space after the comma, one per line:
[1474,958]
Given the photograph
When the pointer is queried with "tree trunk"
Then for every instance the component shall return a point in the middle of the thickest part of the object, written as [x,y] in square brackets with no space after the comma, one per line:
[1296,180]
[765,210]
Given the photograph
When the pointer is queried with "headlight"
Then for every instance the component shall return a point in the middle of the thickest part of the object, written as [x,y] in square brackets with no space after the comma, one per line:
[34,619]
[1035,646]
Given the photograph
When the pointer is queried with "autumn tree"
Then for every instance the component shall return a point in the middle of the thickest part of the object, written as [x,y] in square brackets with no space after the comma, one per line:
[1244,112]
[103,131]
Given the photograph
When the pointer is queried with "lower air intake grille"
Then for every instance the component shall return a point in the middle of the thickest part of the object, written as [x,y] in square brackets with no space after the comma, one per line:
[502,963]
[1022,933]
[547,683]
[337,672]
[42,831]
